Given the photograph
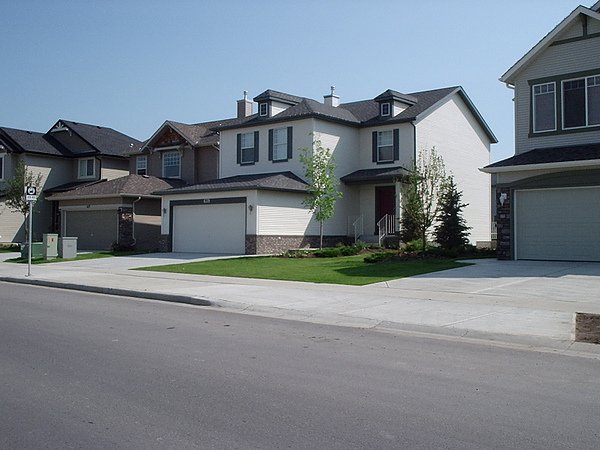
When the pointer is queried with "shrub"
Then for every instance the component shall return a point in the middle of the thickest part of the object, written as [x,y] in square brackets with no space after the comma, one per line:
[378,257]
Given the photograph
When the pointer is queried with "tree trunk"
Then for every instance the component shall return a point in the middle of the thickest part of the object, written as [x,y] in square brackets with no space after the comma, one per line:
[321,235]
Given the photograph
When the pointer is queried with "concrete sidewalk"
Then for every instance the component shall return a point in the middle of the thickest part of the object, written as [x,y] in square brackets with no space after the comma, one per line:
[517,301]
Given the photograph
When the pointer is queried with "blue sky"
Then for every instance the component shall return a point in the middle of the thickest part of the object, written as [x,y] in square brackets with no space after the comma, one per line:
[131,65]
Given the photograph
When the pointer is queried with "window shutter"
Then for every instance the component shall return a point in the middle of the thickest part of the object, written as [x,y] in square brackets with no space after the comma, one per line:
[271,145]
[374,146]
[396,144]
[239,148]
[289,143]
[256,146]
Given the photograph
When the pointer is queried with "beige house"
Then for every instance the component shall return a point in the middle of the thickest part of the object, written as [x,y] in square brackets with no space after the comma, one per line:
[548,193]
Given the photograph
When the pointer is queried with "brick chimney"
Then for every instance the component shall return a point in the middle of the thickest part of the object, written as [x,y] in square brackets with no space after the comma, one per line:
[244,107]
[331,99]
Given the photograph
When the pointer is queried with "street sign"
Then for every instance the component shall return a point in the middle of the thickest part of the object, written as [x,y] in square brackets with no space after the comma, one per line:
[30,193]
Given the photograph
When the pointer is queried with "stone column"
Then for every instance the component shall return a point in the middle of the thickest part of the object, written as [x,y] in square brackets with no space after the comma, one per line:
[503,223]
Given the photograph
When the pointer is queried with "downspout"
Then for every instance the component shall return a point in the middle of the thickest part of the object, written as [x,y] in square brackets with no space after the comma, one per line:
[133,220]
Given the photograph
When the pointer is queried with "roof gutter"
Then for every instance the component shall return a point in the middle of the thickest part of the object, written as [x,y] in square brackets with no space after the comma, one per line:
[542,166]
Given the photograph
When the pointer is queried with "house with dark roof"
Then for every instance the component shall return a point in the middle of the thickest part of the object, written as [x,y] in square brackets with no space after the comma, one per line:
[255,203]
[68,155]
[548,193]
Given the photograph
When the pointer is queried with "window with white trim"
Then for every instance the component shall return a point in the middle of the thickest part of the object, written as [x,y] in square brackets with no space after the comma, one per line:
[247,148]
[544,107]
[171,165]
[141,165]
[2,167]
[263,109]
[385,146]
[280,144]
[86,168]
[581,102]
[385,109]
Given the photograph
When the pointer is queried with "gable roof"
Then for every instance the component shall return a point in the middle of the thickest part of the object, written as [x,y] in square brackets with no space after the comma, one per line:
[127,186]
[106,141]
[278,181]
[547,40]
[575,155]
[379,175]
[21,141]
[363,113]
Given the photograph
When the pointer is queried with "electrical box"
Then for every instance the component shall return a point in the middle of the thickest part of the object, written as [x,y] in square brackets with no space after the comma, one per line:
[67,247]
[50,241]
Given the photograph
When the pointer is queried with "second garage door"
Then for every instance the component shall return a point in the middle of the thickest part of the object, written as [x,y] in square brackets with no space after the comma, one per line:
[210,228]
[558,224]
[95,230]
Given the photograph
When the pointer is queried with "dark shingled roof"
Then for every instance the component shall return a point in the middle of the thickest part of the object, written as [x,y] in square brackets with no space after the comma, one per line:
[127,186]
[383,174]
[69,186]
[551,155]
[279,181]
[395,95]
[106,140]
[29,141]
[270,94]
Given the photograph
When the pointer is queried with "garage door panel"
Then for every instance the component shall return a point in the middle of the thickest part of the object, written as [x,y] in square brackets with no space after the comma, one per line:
[210,228]
[95,230]
[558,224]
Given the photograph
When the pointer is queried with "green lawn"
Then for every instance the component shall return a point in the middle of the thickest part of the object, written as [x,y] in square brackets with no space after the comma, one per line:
[350,270]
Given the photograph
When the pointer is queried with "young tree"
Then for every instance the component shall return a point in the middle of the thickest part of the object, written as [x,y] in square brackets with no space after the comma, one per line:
[319,167]
[421,207]
[15,191]
[452,231]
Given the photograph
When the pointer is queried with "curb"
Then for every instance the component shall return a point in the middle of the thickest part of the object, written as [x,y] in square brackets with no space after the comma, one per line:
[112,291]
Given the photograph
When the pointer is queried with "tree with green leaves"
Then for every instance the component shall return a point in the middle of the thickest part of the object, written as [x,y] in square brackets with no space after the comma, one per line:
[319,167]
[15,191]
[424,187]
[452,231]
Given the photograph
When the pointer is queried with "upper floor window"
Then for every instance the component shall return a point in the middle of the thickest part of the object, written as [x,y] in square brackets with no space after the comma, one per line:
[87,168]
[581,102]
[544,110]
[385,109]
[2,167]
[263,109]
[247,151]
[386,146]
[171,165]
[141,165]
[280,144]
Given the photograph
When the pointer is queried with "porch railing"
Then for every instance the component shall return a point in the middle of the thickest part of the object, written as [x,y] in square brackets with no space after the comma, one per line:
[358,226]
[386,226]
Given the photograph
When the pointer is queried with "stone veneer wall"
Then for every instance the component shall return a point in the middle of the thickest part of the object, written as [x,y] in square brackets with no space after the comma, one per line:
[278,244]
[503,224]
[125,237]
[164,243]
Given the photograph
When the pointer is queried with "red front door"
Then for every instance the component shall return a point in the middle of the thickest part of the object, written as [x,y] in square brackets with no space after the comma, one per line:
[384,202]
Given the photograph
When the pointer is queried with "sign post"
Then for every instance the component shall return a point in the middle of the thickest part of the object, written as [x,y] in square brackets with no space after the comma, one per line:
[30,197]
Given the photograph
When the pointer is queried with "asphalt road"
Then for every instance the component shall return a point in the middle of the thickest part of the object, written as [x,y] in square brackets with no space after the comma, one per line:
[90,371]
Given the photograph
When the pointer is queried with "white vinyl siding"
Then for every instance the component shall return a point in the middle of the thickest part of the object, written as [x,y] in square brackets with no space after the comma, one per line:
[86,168]
[171,165]
[283,214]
[544,107]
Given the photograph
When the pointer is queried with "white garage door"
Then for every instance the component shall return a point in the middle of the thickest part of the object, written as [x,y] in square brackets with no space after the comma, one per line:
[210,228]
[95,230]
[558,224]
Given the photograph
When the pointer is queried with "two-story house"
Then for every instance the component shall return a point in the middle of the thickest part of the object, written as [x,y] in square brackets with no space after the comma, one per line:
[548,193]
[68,155]
[255,205]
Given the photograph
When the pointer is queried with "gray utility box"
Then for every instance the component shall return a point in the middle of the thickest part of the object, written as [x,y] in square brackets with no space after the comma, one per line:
[50,241]
[67,247]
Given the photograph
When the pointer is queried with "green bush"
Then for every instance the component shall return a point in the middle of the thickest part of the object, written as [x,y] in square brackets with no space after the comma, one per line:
[339,250]
[378,257]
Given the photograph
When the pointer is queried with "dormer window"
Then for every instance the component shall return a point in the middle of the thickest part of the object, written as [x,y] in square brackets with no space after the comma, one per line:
[171,165]
[87,168]
[263,109]
[385,109]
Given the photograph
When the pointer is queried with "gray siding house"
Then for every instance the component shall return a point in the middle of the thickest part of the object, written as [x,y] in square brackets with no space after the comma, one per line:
[548,193]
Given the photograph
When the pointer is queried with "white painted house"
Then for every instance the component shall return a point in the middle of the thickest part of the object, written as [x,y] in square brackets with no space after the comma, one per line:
[548,193]
[255,206]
